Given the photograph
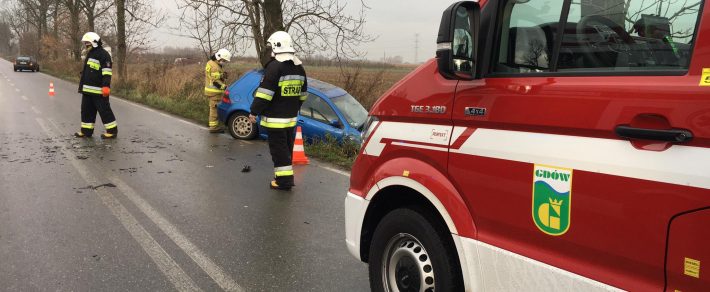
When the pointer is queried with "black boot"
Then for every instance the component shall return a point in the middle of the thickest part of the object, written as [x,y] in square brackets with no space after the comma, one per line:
[273,185]
[110,133]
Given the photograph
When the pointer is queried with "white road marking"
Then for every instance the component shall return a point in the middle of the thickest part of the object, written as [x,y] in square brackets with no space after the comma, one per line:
[197,255]
[24,97]
[17,89]
[160,257]
[338,171]
[34,109]
[213,270]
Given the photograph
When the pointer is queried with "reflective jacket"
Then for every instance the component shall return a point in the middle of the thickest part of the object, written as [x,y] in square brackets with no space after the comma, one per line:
[280,95]
[214,79]
[97,71]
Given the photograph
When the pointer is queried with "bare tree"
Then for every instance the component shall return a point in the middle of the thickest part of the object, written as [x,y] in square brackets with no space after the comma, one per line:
[132,30]
[74,9]
[13,13]
[201,22]
[120,60]
[536,56]
[36,13]
[6,36]
[316,25]
[93,9]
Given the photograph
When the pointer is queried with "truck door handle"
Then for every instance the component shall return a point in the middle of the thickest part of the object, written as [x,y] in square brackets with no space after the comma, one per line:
[672,135]
[301,121]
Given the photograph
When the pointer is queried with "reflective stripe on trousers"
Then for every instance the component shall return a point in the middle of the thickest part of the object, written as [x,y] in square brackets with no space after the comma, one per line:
[213,90]
[283,171]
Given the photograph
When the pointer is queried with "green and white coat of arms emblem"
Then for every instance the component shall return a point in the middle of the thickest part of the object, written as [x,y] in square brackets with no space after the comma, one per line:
[552,199]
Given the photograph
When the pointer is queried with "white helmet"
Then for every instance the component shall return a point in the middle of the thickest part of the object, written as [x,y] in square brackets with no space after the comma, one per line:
[281,42]
[91,37]
[223,54]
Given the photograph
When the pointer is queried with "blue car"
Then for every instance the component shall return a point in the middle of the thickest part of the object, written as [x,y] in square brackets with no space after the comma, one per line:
[327,110]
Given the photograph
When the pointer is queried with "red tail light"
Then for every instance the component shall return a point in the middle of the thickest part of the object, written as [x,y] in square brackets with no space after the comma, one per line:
[225,97]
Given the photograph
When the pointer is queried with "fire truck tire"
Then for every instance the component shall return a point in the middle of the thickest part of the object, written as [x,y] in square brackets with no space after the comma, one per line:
[410,252]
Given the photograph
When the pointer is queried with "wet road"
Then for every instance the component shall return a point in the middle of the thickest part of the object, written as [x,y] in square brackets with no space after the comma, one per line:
[164,207]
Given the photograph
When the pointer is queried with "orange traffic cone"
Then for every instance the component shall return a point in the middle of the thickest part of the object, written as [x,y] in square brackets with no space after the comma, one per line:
[51,88]
[299,156]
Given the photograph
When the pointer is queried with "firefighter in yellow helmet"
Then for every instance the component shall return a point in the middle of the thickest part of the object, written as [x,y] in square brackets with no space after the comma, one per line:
[215,85]
[278,100]
[95,87]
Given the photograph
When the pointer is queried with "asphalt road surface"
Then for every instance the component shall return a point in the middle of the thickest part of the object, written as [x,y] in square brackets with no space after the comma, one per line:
[164,207]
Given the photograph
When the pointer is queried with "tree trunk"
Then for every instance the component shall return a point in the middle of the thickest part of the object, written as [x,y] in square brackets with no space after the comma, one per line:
[75,34]
[121,40]
[273,22]
[43,14]
[90,20]
[55,17]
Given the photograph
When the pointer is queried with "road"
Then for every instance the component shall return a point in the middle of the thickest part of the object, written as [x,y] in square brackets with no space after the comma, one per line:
[164,207]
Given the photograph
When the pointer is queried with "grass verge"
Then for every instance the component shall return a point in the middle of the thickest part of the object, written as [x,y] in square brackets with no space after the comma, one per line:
[329,149]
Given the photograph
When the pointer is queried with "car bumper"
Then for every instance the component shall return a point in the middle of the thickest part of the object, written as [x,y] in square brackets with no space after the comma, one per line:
[355,209]
[24,67]
[222,113]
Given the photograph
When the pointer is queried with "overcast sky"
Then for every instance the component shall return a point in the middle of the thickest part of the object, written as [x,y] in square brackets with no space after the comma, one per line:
[394,22]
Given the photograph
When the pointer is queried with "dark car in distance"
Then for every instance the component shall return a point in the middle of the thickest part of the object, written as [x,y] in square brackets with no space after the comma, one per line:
[26,63]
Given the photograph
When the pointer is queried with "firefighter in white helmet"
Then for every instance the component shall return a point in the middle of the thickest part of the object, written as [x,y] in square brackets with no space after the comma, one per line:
[278,100]
[215,85]
[95,87]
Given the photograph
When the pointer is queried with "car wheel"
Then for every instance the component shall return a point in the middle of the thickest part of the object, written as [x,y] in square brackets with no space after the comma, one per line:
[410,252]
[240,127]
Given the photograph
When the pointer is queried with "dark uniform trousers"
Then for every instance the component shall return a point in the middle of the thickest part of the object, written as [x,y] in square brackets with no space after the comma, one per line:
[278,100]
[90,104]
[281,148]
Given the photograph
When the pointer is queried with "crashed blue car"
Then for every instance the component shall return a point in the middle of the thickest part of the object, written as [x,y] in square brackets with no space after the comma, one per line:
[328,110]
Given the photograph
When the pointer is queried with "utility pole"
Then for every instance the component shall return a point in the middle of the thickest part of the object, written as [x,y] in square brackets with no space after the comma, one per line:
[416,48]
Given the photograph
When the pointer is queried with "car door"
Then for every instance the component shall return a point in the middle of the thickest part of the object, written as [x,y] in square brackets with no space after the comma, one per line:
[316,117]
[554,149]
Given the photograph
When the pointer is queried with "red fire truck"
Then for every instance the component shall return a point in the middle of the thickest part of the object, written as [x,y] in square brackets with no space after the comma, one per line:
[550,146]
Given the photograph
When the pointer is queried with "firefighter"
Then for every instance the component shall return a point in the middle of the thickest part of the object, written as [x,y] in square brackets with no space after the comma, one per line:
[278,100]
[95,87]
[215,85]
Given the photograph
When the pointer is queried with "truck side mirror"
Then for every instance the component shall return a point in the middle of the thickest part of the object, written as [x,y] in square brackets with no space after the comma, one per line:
[457,43]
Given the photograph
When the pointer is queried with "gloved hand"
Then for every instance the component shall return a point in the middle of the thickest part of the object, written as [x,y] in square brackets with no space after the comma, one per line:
[105,91]
[218,85]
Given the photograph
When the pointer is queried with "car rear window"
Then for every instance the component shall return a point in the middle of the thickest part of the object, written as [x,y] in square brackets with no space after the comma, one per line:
[23,59]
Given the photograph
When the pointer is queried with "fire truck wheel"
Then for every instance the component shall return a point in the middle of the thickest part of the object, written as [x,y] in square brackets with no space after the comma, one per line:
[410,252]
